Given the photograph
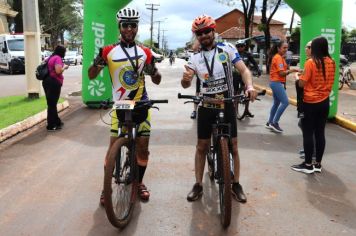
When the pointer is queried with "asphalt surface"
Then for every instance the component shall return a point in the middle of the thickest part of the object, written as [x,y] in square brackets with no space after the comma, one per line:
[50,182]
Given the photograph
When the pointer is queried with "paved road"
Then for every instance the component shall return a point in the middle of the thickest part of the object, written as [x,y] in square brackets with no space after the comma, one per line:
[50,182]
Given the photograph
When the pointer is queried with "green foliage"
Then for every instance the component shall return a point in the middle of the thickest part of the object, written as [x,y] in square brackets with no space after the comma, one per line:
[56,17]
[14,109]
[261,27]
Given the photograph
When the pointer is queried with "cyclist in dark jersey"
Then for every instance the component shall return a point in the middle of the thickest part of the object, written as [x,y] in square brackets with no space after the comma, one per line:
[250,62]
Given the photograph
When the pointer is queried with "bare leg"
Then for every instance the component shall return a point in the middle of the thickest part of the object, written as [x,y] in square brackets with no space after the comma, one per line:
[200,156]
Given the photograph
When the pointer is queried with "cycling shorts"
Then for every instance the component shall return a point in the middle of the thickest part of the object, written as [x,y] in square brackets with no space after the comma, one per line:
[207,117]
[144,129]
[197,85]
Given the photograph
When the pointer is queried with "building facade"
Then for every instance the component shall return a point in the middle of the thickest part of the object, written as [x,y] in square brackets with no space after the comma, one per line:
[231,27]
[6,14]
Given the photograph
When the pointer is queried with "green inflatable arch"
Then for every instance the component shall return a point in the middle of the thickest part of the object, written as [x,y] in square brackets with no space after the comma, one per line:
[318,17]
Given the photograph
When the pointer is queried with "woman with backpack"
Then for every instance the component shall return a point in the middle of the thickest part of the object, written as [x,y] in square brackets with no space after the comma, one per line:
[52,85]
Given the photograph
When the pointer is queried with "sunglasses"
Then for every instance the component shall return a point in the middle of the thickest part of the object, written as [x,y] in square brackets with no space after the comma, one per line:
[240,46]
[204,31]
[126,25]
[309,47]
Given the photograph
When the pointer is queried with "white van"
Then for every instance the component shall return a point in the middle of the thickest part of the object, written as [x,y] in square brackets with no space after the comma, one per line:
[12,54]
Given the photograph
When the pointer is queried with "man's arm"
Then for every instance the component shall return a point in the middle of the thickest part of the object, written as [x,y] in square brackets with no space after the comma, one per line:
[247,79]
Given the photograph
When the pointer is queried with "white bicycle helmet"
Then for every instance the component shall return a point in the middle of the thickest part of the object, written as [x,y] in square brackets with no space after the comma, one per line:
[240,43]
[127,14]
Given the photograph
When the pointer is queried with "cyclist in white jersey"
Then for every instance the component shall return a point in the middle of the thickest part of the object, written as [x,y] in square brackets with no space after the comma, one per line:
[213,66]
[126,62]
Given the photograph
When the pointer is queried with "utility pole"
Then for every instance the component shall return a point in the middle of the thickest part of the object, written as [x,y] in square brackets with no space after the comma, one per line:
[163,37]
[159,30]
[152,8]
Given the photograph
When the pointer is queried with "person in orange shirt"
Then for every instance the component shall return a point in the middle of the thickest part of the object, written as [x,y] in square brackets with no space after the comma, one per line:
[317,81]
[278,72]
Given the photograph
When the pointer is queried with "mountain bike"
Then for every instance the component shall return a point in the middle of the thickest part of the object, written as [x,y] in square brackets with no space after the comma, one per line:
[121,178]
[345,75]
[220,162]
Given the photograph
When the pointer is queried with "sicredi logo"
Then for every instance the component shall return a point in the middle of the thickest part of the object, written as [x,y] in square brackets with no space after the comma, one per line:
[99,41]
[329,34]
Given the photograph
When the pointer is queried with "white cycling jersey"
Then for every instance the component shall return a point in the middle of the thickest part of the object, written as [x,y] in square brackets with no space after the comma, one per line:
[221,80]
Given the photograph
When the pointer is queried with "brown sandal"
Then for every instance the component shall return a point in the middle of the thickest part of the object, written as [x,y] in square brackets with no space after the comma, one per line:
[143,192]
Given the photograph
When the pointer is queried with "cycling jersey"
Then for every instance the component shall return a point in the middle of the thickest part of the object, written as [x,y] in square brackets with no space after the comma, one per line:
[220,82]
[126,83]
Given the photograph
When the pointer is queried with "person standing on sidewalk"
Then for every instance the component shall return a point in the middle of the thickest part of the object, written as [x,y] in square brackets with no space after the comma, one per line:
[52,87]
[317,81]
[278,73]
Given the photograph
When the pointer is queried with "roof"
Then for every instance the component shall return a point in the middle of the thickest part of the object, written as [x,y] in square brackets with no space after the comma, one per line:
[256,19]
[233,33]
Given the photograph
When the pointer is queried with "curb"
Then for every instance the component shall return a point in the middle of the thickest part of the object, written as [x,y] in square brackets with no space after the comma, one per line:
[345,123]
[21,126]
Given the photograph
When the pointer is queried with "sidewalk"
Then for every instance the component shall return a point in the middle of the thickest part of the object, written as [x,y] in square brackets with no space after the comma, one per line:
[346,114]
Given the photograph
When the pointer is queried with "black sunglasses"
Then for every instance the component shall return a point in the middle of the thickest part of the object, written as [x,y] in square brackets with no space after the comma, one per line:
[240,46]
[204,31]
[309,47]
[126,25]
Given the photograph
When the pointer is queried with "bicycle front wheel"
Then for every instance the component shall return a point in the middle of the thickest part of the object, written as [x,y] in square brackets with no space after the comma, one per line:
[120,183]
[224,182]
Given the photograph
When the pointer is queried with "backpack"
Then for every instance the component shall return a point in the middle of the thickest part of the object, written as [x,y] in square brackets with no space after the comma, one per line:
[42,71]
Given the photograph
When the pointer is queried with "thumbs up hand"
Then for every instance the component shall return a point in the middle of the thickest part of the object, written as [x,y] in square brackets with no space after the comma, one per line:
[187,77]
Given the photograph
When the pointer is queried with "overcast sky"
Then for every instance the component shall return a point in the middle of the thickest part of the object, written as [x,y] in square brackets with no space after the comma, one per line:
[177,16]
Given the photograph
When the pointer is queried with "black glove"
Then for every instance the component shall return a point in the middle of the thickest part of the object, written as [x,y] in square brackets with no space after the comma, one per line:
[99,61]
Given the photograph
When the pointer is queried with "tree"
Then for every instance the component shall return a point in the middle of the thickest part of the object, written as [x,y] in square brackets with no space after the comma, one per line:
[265,22]
[248,7]
[56,17]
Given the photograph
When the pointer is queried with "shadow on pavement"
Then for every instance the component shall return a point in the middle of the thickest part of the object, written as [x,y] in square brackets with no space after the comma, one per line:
[327,193]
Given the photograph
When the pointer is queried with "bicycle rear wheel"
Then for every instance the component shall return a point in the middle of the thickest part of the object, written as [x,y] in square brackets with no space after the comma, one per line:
[224,182]
[341,80]
[120,183]
[349,78]
[241,106]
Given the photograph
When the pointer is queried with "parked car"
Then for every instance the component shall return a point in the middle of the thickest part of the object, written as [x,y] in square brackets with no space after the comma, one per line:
[183,55]
[73,57]
[45,54]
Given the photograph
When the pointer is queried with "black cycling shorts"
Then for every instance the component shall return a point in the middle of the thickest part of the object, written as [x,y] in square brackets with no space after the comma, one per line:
[207,117]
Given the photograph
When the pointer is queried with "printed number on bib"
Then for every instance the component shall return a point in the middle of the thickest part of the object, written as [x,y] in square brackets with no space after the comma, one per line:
[124,105]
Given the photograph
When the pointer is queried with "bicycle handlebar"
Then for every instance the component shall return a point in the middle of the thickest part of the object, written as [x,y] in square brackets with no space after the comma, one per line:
[105,104]
[202,98]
